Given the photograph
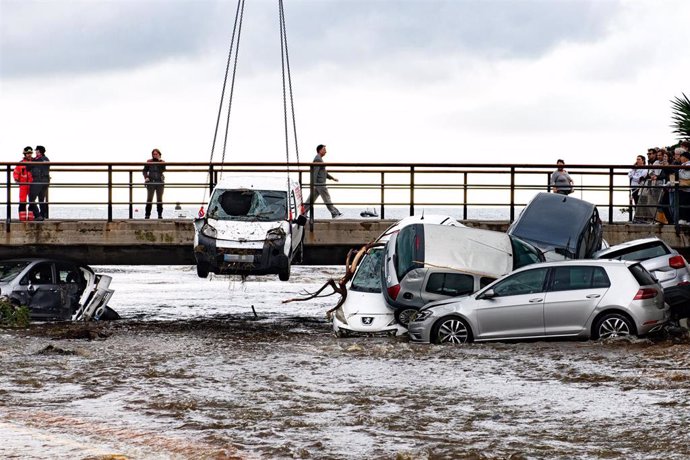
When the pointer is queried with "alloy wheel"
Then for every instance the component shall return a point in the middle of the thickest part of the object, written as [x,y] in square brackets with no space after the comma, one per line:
[452,331]
[613,326]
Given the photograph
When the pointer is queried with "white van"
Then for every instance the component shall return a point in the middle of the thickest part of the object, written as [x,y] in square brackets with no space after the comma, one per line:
[254,225]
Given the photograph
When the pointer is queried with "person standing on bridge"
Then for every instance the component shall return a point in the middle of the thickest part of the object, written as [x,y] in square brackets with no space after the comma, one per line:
[560,180]
[38,192]
[22,176]
[155,182]
[318,179]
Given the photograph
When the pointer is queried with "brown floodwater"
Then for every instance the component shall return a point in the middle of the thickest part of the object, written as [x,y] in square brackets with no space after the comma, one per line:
[240,385]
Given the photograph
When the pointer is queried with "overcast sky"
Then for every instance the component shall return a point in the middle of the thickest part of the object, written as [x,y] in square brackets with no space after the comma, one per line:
[376,80]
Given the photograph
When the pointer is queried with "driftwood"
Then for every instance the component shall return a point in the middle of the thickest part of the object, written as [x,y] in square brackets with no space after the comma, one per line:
[354,257]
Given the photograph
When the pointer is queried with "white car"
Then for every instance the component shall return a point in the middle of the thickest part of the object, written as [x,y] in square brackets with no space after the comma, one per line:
[254,225]
[365,311]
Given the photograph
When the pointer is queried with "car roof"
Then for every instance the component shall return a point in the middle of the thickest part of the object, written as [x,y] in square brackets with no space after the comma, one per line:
[439,219]
[552,219]
[582,262]
[628,244]
[43,259]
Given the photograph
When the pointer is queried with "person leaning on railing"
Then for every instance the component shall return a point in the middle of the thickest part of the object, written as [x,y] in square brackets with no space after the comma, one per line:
[637,177]
[684,190]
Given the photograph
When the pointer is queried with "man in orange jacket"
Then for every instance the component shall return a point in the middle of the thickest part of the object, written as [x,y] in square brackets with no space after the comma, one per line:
[22,176]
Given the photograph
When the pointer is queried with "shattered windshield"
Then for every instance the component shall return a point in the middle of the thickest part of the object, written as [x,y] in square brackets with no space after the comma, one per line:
[248,205]
[10,270]
[368,277]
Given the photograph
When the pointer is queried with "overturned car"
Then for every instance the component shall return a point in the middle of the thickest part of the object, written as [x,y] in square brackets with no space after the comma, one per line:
[56,290]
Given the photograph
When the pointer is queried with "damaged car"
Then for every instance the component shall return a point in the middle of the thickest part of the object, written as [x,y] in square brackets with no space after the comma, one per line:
[56,290]
[253,226]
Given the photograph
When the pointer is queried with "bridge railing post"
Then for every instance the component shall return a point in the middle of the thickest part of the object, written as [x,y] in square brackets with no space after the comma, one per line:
[9,197]
[383,209]
[412,190]
[131,195]
[464,196]
[512,193]
[610,195]
[110,193]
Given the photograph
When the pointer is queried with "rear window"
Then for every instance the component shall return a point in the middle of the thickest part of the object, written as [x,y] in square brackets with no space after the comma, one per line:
[450,284]
[368,276]
[408,249]
[642,252]
[643,277]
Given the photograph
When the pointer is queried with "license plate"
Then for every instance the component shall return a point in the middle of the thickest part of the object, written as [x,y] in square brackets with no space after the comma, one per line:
[238,258]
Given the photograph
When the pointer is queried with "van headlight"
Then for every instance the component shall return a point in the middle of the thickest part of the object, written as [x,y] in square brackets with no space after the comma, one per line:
[209,231]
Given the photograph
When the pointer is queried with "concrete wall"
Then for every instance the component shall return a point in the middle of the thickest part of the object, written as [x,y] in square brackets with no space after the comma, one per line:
[169,242]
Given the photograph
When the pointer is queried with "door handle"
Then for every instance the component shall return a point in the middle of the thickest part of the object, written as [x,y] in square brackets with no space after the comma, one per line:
[593,296]
[535,300]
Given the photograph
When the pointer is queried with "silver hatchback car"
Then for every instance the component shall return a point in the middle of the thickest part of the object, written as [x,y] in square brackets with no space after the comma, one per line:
[574,298]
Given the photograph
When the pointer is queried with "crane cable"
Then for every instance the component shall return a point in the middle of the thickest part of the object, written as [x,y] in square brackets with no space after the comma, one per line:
[285,66]
[239,14]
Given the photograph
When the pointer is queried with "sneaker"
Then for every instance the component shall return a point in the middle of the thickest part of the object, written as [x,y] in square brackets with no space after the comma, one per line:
[340,214]
[147,217]
[160,216]
[680,222]
[39,218]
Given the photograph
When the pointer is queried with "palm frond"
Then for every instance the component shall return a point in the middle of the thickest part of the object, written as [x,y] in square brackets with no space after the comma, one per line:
[681,116]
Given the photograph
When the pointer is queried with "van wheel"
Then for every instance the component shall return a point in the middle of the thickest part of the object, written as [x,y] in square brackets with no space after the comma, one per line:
[612,325]
[404,315]
[202,270]
[299,254]
[284,273]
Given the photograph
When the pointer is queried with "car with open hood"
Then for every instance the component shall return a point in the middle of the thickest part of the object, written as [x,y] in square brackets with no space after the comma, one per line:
[426,262]
[561,226]
[254,225]
[56,290]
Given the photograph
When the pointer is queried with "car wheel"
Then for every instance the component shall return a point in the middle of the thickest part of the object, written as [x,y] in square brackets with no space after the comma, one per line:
[613,325]
[202,270]
[404,315]
[451,330]
[109,315]
[284,273]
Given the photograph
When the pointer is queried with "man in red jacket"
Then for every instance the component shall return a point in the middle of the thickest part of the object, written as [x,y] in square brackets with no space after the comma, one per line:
[23,177]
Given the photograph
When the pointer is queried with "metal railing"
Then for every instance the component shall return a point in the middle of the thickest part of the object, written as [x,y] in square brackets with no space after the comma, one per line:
[462,189]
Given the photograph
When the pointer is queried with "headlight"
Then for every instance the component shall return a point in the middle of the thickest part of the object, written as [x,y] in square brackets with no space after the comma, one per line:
[209,231]
[422,315]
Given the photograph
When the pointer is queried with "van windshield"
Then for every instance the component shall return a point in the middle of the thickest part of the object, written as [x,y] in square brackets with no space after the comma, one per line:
[248,205]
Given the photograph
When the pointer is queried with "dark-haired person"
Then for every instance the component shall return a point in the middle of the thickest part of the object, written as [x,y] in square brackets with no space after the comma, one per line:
[560,180]
[318,178]
[155,182]
[38,192]
[684,190]
[637,177]
[22,176]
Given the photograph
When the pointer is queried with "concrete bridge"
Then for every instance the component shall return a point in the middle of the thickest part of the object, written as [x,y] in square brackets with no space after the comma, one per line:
[169,241]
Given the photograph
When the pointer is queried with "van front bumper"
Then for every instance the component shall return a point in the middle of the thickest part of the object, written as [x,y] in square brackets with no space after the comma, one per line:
[238,260]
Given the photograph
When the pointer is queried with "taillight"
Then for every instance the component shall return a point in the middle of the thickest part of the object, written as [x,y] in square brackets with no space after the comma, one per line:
[646,293]
[676,262]
[393,291]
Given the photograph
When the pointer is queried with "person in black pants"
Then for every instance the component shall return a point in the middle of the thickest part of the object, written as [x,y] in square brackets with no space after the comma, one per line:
[155,180]
[38,192]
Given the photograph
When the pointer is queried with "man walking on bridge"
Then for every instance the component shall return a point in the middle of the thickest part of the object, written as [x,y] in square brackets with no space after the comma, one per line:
[318,179]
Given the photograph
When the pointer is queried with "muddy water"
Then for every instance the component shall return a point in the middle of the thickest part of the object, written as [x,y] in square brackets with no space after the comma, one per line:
[193,373]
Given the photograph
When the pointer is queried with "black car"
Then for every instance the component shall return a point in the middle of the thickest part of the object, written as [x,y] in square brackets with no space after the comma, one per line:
[562,226]
[56,290]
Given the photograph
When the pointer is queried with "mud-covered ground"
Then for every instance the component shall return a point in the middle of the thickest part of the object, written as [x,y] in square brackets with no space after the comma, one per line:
[192,372]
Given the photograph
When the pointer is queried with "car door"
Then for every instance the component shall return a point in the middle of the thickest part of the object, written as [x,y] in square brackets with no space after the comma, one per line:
[517,309]
[39,291]
[573,294]
[297,230]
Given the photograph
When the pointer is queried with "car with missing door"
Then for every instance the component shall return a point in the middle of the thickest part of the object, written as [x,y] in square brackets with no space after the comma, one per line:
[56,290]
[575,298]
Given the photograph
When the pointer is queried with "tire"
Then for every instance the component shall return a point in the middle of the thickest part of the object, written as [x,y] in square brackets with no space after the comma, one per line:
[299,254]
[202,270]
[109,315]
[452,330]
[403,315]
[284,273]
[612,325]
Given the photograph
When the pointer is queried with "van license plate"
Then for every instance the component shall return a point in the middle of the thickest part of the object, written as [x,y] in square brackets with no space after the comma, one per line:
[238,257]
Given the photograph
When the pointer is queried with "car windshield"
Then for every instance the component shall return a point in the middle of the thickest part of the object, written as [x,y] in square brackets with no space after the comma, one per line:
[368,276]
[248,205]
[10,270]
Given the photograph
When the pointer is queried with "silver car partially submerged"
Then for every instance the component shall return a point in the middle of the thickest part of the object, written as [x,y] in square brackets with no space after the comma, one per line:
[583,298]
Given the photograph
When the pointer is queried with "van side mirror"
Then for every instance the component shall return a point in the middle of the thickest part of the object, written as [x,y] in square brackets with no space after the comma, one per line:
[301,220]
[488,294]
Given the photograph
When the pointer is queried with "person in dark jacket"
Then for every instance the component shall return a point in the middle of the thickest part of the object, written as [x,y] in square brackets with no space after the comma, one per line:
[38,192]
[318,178]
[155,182]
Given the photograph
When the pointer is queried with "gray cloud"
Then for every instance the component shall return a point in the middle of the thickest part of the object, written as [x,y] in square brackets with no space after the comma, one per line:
[71,36]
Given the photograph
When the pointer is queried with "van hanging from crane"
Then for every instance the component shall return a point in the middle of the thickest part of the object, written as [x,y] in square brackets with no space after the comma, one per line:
[254,225]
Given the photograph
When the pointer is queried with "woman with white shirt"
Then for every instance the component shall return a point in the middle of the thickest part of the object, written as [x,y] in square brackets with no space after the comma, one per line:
[637,178]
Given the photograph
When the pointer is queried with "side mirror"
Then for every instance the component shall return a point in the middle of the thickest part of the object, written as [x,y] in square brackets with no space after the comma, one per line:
[301,220]
[488,294]
[31,288]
